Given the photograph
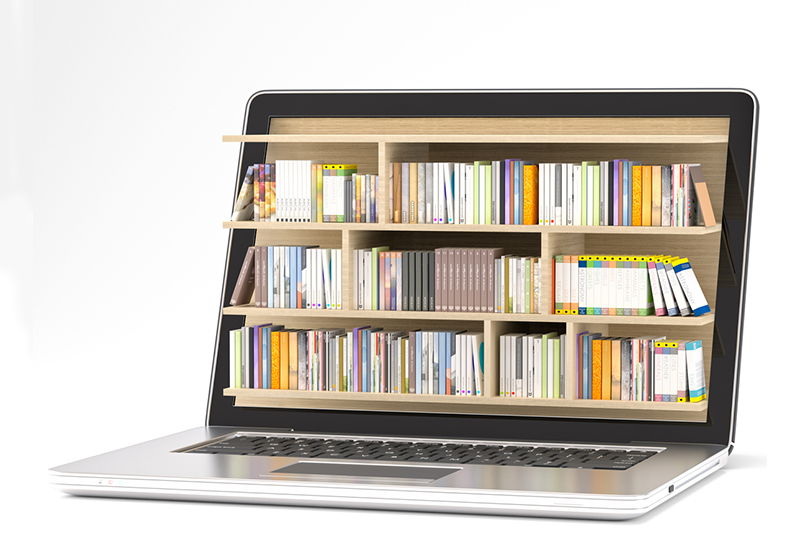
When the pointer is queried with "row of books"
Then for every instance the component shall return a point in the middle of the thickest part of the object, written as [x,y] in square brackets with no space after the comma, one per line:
[533,365]
[626,285]
[307,191]
[363,359]
[296,277]
[444,279]
[517,192]
[518,284]
[639,369]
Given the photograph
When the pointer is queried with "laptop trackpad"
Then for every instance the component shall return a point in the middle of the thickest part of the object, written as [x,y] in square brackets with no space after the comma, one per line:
[366,470]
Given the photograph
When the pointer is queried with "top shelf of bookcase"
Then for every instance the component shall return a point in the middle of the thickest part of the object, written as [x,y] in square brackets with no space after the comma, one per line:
[479,138]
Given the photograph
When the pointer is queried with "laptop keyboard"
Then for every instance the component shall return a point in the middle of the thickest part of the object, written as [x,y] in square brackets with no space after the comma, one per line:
[440,453]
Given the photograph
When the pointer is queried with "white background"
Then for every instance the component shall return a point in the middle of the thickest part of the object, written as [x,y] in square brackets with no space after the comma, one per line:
[115,182]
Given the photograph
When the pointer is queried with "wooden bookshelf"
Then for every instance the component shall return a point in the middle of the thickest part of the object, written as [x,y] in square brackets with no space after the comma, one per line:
[374,143]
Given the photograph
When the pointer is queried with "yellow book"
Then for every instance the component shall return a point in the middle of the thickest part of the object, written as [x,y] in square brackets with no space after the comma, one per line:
[530,194]
[647,195]
[655,218]
[616,369]
[597,368]
[284,360]
[319,173]
[275,370]
[636,196]
[606,369]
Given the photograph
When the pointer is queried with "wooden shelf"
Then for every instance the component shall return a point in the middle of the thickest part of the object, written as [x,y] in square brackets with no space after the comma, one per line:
[649,320]
[408,227]
[401,402]
[480,138]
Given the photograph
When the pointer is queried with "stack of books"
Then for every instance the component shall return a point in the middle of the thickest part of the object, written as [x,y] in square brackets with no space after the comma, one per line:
[362,359]
[517,192]
[533,365]
[639,369]
[626,285]
[307,191]
[296,277]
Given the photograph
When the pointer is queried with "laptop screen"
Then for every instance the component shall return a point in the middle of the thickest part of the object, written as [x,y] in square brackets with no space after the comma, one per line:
[488,265]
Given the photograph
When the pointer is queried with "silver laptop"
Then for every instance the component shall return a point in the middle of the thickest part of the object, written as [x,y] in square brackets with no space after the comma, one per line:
[578,448]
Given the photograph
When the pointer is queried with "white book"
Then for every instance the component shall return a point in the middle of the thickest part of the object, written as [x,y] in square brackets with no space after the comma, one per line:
[573,282]
[583,284]
[567,204]
[469,196]
[577,195]
[565,177]
[537,365]
[503,360]
[635,301]
[368,280]
[605,285]
[481,198]
[551,366]
[673,373]
[477,363]
[612,284]
[677,290]
[597,298]
[448,191]
[291,191]
[560,279]
[542,186]
[429,191]
[548,191]
[523,390]
[421,192]
[695,372]
[338,278]
[437,189]
[590,198]
[232,364]
[603,193]
[326,277]
[682,384]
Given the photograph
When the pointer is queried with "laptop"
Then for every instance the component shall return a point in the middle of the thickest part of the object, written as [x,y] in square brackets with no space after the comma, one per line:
[570,454]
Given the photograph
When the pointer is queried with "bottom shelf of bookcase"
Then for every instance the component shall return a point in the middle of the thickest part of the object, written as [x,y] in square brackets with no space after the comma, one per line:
[394,402]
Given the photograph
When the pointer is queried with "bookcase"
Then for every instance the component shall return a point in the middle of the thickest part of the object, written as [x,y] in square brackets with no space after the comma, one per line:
[373,143]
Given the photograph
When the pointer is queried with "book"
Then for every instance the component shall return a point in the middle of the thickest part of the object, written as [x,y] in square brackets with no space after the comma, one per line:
[245,283]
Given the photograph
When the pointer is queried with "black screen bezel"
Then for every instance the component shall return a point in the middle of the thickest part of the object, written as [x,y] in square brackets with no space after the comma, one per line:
[740,106]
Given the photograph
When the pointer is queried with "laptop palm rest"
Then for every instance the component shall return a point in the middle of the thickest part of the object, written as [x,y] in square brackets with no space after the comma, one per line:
[366,470]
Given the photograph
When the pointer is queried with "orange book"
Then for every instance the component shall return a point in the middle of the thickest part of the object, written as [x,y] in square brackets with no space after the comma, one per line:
[636,196]
[606,368]
[284,360]
[597,368]
[616,369]
[275,370]
[530,194]
[655,218]
[647,195]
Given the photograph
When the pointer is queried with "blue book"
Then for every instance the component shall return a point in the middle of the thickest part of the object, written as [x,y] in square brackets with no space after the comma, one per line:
[442,338]
[626,193]
[582,266]
[517,194]
[579,364]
